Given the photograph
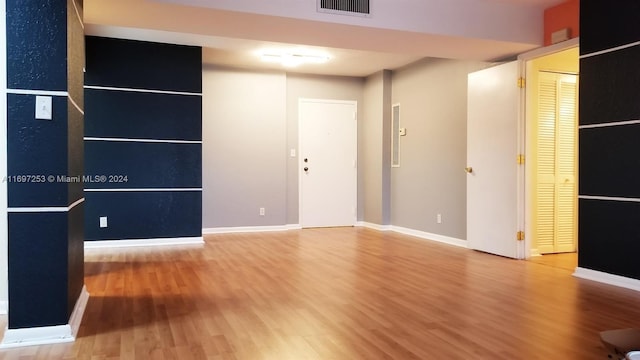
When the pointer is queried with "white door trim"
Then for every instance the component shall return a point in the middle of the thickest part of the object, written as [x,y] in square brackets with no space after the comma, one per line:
[300,153]
[524,211]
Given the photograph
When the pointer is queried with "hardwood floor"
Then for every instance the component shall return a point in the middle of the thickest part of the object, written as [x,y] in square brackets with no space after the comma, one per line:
[343,293]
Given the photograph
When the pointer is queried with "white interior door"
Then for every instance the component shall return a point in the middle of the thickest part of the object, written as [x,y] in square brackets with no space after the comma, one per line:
[493,116]
[327,162]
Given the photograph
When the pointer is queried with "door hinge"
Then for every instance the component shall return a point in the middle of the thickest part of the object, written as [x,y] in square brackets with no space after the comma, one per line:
[520,235]
[521,159]
[521,82]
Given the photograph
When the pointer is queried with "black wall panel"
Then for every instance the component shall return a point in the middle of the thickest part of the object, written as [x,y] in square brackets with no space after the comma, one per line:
[146,165]
[143,65]
[139,105]
[612,236]
[37,44]
[607,24]
[75,255]
[38,269]
[75,148]
[144,215]
[37,148]
[616,98]
[75,125]
[46,252]
[156,116]
[607,155]
[609,237]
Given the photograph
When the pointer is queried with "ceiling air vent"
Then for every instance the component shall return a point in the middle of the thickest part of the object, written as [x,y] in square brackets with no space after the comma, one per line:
[345,7]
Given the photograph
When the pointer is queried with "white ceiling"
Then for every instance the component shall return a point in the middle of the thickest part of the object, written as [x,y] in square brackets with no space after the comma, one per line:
[399,32]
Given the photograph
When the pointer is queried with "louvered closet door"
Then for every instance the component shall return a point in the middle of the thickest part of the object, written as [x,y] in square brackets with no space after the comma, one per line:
[556,188]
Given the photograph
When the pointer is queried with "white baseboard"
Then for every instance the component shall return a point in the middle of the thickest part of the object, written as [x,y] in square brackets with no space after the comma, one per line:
[4,306]
[603,277]
[374,226]
[78,311]
[250,229]
[143,242]
[429,236]
[48,334]
[534,252]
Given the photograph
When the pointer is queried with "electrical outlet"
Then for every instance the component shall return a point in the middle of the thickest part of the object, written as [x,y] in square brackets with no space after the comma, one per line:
[103,222]
[261,211]
[439,218]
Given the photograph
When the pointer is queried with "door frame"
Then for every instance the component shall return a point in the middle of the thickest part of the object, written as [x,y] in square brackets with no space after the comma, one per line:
[300,153]
[525,212]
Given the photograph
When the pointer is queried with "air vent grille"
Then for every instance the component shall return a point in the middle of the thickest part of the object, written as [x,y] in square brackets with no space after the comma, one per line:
[347,7]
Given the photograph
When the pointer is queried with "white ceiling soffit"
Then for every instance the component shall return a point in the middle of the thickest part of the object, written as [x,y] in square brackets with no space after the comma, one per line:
[398,32]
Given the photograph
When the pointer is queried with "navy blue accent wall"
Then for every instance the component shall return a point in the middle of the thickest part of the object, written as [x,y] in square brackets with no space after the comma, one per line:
[75,148]
[143,65]
[143,141]
[37,44]
[180,116]
[45,52]
[38,269]
[145,215]
[36,148]
[146,165]
[609,237]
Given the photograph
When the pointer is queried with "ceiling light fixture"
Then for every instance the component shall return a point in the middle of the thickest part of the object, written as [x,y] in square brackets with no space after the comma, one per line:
[292,59]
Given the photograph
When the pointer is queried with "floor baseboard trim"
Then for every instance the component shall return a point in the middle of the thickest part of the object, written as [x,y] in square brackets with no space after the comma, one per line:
[534,252]
[250,229]
[45,335]
[37,336]
[606,278]
[431,237]
[78,311]
[373,226]
[100,244]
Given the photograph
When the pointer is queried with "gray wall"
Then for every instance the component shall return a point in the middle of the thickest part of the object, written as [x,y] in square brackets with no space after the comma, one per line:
[244,133]
[432,95]
[375,151]
[250,125]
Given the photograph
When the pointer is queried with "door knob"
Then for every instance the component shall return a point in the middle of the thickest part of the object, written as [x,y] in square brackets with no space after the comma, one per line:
[306,168]
[468,169]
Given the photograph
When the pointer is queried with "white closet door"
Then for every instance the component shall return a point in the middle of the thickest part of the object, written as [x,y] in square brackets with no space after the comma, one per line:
[556,189]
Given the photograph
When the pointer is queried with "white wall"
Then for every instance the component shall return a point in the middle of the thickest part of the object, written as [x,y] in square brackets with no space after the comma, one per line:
[431,180]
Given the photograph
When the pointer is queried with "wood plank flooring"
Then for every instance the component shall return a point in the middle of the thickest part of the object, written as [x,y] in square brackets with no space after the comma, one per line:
[343,293]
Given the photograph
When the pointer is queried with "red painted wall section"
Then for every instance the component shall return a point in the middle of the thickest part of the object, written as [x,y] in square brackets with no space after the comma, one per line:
[565,15]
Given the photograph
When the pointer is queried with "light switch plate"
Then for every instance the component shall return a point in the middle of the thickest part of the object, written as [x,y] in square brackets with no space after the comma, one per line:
[43,107]
[103,222]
